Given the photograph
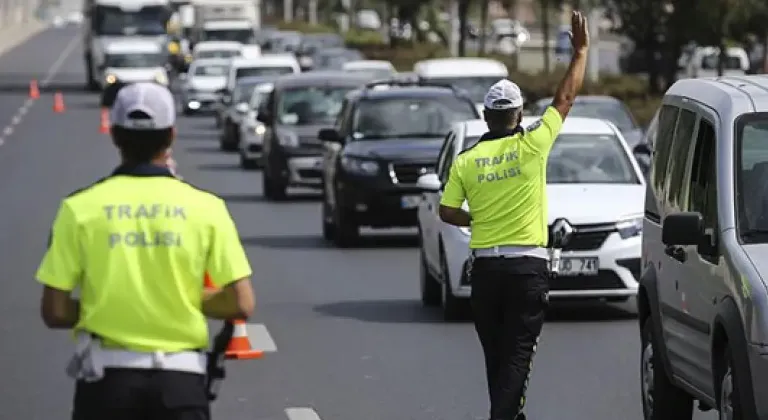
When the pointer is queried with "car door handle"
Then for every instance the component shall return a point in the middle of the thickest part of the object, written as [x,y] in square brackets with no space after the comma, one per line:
[677,253]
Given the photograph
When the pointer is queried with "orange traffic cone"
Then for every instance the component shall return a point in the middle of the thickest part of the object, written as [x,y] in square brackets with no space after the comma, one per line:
[34,90]
[58,103]
[104,123]
[239,346]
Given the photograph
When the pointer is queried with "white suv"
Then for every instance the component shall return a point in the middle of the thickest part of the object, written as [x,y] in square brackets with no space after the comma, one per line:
[592,181]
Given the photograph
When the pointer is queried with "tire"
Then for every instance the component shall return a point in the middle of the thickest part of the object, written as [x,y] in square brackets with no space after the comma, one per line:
[430,286]
[661,399]
[91,83]
[248,164]
[729,398]
[329,229]
[346,233]
[227,141]
[273,191]
[454,309]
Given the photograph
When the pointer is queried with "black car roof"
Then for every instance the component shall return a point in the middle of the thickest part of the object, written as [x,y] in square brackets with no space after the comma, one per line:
[404,92]
[320,78]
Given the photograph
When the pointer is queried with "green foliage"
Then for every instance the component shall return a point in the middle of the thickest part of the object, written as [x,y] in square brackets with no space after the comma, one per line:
[362,39]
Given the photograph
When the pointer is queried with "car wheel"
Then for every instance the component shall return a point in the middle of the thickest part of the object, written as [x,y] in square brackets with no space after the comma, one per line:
[273,190]
[454,308]
[346,232]
[729,401]
[662,400]
[248,164]
[430,286]
[187,111]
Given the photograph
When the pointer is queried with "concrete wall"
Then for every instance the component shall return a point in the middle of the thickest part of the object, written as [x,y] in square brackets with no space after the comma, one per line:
[17,13]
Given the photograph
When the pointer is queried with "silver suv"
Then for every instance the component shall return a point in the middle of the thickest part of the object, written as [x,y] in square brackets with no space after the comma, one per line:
[702,298]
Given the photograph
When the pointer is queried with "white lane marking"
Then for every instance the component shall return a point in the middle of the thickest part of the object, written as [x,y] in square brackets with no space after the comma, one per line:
[260,338]
[60,61]
[52,72]
[301,413]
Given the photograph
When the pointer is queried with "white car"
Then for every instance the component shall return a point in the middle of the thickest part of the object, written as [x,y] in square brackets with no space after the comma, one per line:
[217,49]
[252,131]
[202,83]
[262,66]
[378,69]
[133,61]
[592,181]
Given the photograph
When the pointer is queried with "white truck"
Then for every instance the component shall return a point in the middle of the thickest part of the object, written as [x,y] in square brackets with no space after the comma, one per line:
[226,20]
[108,21]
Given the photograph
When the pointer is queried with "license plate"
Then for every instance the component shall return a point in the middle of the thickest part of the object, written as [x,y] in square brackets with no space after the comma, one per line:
[587,266]
[410,201]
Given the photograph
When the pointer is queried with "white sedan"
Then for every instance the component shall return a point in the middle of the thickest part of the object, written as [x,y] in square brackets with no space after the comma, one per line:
[252,131]
[592,181]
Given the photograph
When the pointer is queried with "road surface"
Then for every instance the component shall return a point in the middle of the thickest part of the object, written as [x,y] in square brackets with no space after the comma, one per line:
[345,334]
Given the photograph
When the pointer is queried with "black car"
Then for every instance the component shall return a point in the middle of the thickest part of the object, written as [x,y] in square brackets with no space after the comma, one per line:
[234,108]
[387,136]
[297,108]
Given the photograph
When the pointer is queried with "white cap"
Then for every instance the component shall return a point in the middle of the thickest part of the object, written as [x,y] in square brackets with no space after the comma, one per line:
[503,95]
[151,99]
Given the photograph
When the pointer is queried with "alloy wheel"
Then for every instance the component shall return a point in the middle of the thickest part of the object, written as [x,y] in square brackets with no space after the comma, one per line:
[726,396]
[647,379]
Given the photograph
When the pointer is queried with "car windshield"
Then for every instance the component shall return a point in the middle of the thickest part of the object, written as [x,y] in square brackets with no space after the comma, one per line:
[211,70]
[334,60]
[115,21]
[752,188]
[245,36]
[409,117]
[243,92]
[258,95]
[134,60]
[476,87]
[731,62]
[262,71]
[612,111]
[589,159]
[217,54]
[310,105]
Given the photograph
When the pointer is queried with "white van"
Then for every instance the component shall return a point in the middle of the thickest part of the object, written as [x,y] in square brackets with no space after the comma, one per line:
[474,75]
[217,49]
[263,66]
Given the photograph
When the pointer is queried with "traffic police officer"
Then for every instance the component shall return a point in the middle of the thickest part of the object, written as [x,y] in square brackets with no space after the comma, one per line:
[503,180]
[136,245]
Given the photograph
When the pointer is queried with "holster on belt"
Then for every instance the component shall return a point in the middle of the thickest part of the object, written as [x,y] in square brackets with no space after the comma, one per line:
[215,372]
[87,363]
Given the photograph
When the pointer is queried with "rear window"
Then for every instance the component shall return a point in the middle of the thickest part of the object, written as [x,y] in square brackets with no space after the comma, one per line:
[262,71]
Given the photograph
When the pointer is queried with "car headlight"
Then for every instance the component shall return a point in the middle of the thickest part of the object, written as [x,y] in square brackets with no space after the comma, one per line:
[630,226]
[288,139]
[161,78]
[359,166]
[259,130]
[111,78]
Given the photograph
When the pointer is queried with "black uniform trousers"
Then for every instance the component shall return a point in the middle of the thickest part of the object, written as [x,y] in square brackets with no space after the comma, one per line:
[509,298]
[142,394]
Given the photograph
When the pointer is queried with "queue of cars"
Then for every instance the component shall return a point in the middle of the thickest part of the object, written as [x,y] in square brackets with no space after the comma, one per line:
[377,145]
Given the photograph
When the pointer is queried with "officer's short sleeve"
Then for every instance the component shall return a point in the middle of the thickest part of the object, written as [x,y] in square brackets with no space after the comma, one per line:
[227,261]
[541,135]
[454,193]
[62,265]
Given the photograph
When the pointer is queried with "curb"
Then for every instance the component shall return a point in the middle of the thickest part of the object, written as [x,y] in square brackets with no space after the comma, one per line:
[16,35]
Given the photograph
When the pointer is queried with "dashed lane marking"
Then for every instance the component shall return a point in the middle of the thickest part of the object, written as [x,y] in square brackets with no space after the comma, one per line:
[260,338]
[52,72]
[301,413]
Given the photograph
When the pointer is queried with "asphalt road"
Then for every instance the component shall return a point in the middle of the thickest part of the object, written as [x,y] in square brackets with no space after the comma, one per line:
[346,335]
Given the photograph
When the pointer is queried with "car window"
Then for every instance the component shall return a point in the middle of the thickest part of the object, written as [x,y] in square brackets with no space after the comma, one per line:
[310,105]
[752,188]
[211,70]
[702,196]
[443,155]
[262,71]
[384,118]
[667,122]
[450,154]
[243,93]
[678,158]
[590,159]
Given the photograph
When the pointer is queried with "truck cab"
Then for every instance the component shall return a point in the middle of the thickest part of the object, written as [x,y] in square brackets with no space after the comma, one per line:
[109,21]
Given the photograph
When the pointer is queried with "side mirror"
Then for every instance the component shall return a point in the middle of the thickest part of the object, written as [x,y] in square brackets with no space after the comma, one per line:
[682,229]
[642,149]
[428,183]
[242,108]
[329,135]
[263,117]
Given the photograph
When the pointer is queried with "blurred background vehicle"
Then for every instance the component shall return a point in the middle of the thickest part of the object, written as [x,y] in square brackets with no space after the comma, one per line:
[473,75]
[334,58]
[252,130]
[376,69]
[237,108]
[202,83]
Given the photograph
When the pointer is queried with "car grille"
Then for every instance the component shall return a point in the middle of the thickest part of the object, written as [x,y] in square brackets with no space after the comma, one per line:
[589,237]
[408,173]
[310,143]
[605,279]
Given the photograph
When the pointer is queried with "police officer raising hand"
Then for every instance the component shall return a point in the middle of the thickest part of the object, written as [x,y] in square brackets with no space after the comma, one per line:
[502,178]
[137,244]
